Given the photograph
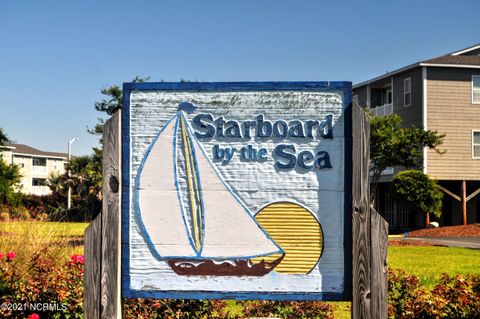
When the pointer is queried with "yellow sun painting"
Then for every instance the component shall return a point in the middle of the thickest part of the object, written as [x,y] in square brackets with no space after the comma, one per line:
[297,231]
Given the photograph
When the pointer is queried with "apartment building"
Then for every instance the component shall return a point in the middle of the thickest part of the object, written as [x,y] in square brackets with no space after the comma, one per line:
[441,94]
[35,166]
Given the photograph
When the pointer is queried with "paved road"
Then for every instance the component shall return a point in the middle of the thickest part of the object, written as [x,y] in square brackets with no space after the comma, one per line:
[467,242]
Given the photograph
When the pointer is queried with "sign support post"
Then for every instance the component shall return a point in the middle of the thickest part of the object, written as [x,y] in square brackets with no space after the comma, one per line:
[102,237]
[369,231]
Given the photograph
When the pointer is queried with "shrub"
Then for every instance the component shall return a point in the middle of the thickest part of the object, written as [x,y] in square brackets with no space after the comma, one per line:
[165,308]
[42,217]
[452,297]
[4,217]
[288,310]
[25,215]
[417,189]
[19,212]
[46,283]
[222,309]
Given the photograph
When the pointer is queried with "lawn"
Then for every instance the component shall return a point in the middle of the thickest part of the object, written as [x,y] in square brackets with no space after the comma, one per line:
[61,229]
[428,263]
[27,238]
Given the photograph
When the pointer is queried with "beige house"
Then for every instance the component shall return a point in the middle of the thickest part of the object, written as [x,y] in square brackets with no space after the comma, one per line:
[36,166]
[441,94]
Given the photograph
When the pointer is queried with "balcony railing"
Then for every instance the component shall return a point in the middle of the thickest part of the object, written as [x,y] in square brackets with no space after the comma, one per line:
[40,190]
[39,170]
[383,110]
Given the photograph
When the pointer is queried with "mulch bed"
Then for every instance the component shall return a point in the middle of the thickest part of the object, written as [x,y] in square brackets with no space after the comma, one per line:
[405,242]
[448,231]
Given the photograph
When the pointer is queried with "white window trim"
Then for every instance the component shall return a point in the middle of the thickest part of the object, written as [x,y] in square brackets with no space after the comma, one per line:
[473,149]
[405,92]
[475,76]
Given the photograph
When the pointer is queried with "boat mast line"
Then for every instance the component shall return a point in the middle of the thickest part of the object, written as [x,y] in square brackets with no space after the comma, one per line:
[192,185]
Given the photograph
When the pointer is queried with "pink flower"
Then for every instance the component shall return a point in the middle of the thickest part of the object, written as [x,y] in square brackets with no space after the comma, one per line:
[34,316]
[77,259]
[11,255]
[1,256]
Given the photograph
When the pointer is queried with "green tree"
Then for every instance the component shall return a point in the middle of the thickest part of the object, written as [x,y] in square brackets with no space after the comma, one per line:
[10,176]
[3,138]
[10,179]
[418,190]
[393,145]
[110,104]
[86,181]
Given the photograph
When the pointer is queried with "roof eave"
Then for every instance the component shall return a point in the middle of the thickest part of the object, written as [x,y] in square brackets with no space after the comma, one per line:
[386,75]
[472,48]
[444,65]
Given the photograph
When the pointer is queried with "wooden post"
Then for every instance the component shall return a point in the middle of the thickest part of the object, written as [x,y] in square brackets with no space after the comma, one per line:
[464,202]
[369,231]
[92,279]
[427,219]
[102,237]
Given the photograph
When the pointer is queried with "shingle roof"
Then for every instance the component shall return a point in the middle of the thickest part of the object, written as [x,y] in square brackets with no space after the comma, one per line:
[25,149]
[456,59]
[467,58]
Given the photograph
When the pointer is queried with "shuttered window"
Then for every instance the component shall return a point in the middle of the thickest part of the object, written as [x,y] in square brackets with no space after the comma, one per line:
[476,144]
[476,89]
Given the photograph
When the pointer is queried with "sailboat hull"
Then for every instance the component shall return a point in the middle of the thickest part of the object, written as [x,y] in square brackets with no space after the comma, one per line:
[237,267]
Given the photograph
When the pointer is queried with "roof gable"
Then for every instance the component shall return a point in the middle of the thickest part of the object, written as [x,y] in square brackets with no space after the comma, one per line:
[28,150]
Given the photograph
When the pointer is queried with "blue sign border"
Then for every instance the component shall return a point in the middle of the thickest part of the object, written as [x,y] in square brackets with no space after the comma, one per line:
[344,87]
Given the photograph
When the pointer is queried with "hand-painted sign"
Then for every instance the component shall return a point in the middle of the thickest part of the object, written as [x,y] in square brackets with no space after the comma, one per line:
[236,190]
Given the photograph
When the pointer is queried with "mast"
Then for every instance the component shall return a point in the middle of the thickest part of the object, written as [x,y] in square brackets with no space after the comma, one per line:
[192,186]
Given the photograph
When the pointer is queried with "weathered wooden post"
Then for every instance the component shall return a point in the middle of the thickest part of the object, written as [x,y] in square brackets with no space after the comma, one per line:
[370,231]
[102,237]
[249,243]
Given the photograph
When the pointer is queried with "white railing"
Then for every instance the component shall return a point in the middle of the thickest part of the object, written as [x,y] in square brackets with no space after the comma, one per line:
[383,110]
[40,190]
[39,170]
[386,171]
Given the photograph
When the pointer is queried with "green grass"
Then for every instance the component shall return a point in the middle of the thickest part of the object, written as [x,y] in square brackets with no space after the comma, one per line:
[429,262]
[60,229]
[426,262]
[54,240]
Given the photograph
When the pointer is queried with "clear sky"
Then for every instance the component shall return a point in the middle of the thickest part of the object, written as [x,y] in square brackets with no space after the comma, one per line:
[56,55]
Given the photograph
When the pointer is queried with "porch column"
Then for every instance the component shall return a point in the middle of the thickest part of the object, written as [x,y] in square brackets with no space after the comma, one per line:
[464,201]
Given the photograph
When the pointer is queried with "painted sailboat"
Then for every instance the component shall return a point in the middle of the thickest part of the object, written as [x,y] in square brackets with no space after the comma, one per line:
[190,216]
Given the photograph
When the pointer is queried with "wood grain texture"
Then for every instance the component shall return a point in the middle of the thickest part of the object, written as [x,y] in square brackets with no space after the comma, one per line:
[93,253]
[361,245]
[369,231]
[110,266]
[379,286]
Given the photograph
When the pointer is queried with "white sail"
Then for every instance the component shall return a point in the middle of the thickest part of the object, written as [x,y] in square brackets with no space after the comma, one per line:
[230,230]
[158,199]
[227,229]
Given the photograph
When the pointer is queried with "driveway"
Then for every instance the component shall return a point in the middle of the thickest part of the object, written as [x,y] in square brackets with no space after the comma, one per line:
[466,242]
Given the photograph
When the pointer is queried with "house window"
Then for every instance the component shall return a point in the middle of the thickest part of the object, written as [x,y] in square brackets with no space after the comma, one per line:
[476,89]
[476,144]
[407,92]
[39,181]
[39,161]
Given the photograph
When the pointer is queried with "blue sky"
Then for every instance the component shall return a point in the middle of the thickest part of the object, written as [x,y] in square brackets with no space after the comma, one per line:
[57,55]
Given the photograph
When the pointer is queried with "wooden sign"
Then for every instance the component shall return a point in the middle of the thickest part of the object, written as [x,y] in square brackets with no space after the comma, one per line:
[237,190]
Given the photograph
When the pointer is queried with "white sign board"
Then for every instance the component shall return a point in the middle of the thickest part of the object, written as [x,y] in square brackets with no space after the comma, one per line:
[236,190]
